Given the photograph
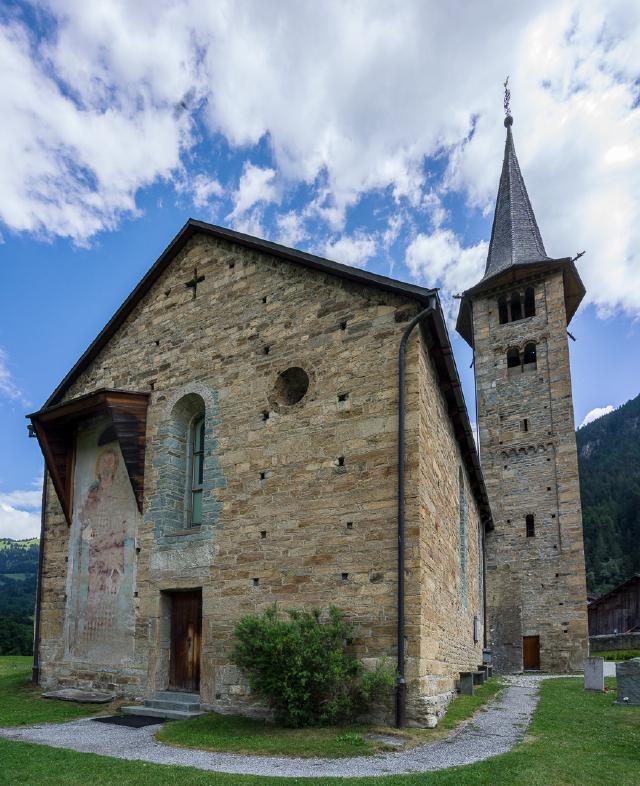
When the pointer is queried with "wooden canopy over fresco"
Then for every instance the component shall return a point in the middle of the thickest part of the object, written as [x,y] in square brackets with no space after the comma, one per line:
[55,428]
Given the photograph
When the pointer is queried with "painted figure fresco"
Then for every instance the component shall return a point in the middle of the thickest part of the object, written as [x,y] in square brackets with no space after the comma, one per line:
[100,618]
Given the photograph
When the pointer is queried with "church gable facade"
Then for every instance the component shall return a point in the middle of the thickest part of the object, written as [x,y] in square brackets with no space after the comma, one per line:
[230,441]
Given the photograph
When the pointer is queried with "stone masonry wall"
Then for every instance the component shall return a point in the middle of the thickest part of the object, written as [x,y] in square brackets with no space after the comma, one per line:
[301,502]
[448,559]
[535,585]
[614,641]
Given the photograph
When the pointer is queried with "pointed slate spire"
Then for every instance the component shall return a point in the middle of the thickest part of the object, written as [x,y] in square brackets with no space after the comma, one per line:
[515,237]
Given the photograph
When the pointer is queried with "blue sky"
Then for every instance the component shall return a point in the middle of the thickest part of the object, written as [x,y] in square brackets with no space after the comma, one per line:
[370,134]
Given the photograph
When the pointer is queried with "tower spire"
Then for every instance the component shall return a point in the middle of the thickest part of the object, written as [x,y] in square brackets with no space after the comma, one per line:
[515,237]
[516,250]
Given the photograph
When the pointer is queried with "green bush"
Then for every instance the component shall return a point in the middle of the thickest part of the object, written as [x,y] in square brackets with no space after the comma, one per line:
[301,667]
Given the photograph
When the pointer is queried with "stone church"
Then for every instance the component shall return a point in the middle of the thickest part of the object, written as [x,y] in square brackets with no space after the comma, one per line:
[241,434]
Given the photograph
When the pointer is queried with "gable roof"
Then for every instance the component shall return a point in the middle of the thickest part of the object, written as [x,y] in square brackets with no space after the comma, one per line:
[435,331]
[633,579]
[192,228]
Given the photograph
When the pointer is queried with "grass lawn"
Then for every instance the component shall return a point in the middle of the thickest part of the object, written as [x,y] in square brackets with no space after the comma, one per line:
[20,703]
[235,734]
[617,654]
[575,739]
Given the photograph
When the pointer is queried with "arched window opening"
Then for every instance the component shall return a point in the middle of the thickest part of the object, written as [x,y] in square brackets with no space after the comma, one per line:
[503,312]
[196,471]
[513,357]
[516,307]
[530,359]
[529,302]
[182,477]
[531,525]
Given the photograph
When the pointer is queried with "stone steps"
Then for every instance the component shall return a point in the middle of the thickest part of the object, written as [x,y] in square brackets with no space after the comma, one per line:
[154,712]
[171,705]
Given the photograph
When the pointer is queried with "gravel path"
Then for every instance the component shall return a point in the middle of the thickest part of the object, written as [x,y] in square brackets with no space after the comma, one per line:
[493,731]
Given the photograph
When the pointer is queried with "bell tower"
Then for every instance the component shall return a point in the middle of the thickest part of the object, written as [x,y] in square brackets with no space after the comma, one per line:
[515,319]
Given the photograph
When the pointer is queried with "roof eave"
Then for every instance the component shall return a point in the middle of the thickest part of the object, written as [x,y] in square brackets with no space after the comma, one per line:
[452,391]
[574,289]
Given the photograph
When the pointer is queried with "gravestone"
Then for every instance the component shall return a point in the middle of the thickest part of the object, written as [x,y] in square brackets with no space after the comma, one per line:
[594,674]
[628,679]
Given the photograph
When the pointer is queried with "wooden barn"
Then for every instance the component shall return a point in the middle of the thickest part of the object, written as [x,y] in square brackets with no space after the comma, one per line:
[618,611]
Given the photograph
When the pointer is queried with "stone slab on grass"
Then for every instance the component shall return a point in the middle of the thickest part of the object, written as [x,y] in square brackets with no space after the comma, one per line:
[80,695]
[628,679]
[594,674]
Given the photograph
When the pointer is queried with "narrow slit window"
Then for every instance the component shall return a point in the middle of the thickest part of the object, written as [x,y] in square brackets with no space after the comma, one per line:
[531,525]
[525,424]
[503,312]
[197,471]
[529,302]
[516,307]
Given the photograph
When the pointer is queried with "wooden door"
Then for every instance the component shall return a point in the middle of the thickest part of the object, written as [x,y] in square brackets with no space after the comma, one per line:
[531,652]
[186,630]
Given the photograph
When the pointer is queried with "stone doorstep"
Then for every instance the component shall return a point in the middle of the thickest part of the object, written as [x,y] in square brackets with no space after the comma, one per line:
[183,706]
[173,705]
[153,712]
[174,695]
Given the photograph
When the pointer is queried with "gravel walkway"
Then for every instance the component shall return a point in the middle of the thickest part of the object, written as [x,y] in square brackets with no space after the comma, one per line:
[491,732]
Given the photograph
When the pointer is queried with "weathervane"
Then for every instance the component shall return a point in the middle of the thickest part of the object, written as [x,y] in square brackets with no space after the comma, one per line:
[508,120]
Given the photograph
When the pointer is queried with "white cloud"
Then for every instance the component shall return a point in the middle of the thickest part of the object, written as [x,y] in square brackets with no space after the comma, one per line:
[291,229]
[204,189]
[432,203]
[439,259]
[256,186]
[18,524]
[596,413]
[22,499]
[392,232]
[354,250]
[8,388]
[20,513]
[348,99]
[74,158]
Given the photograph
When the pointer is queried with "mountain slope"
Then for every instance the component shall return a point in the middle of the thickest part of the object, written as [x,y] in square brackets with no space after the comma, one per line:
[609,462]
[18,575]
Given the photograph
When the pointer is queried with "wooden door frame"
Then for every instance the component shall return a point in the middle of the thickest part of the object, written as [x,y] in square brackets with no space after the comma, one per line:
[174,681]
[533,638]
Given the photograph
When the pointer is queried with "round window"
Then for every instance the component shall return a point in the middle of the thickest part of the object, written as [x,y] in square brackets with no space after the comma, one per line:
[291,386]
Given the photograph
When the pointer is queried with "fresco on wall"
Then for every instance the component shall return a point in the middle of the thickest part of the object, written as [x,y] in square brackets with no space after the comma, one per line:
[99,625]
